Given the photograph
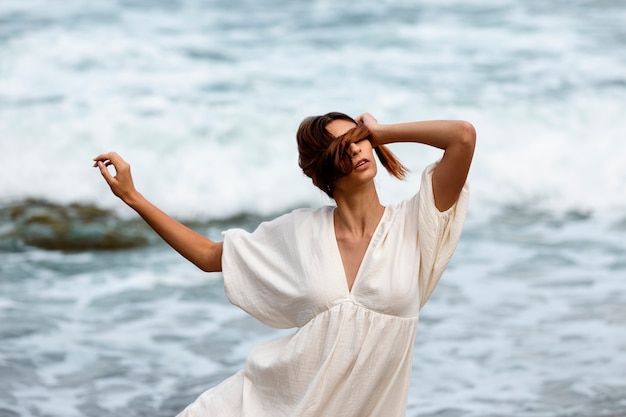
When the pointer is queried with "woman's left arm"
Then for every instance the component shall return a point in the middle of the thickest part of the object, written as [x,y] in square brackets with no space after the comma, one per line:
[457,139]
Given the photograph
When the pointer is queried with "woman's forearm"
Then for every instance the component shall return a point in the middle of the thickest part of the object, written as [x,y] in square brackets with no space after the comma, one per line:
[438,133]
[198,249]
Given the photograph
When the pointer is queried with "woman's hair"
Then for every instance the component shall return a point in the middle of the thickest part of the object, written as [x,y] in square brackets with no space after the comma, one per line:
[324,158]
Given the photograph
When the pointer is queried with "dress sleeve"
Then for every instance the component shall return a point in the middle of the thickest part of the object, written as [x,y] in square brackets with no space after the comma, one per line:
[260,272]
[438,233]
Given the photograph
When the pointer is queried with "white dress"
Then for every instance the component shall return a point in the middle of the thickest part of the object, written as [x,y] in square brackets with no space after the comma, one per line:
[351,355]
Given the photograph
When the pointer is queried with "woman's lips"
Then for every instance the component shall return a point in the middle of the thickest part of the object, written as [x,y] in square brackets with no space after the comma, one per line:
[361,165]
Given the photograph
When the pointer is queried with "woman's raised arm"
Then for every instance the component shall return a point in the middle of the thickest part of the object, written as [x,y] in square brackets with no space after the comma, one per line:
[199,250]
[456,138]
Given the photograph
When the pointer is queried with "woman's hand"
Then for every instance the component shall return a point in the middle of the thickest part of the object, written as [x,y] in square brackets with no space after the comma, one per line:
[122,182]
[371,124]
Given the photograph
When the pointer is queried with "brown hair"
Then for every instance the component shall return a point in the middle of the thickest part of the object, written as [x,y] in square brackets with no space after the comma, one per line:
[324,158]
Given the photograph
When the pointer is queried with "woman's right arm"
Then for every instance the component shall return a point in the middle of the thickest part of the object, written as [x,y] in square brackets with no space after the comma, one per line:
[198,249]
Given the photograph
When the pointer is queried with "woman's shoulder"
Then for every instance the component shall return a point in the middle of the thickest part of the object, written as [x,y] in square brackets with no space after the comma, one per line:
[297,219]
[303,213]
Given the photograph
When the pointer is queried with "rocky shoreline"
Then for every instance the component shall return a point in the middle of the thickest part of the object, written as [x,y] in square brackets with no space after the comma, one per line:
[81,227]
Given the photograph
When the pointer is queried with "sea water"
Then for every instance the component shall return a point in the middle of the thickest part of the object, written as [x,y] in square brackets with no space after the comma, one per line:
[203,98]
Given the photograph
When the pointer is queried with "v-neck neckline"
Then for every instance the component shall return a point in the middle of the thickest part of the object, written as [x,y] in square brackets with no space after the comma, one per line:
[371,243]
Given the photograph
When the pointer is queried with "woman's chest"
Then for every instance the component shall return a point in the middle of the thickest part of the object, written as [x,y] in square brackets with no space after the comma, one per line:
[386,280]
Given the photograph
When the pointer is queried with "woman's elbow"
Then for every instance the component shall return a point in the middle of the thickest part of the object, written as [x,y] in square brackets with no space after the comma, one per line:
[467,133]
[212,258]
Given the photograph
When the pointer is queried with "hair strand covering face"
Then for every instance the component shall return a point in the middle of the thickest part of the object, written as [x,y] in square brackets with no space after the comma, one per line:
[325,158]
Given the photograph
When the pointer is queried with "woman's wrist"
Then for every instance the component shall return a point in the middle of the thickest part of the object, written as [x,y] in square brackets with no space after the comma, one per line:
[380,134]
[133,199]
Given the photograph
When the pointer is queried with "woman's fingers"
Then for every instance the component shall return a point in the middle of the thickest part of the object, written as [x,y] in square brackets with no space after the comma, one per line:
[110,179]
[107,163]
[120,180]
[102,157]
[367,119]
[110,158]
[108,155]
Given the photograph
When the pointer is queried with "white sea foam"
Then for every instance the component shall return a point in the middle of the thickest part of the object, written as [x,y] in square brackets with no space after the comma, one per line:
[206,108]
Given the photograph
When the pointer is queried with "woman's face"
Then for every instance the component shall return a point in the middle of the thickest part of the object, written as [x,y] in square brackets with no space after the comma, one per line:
[362,156]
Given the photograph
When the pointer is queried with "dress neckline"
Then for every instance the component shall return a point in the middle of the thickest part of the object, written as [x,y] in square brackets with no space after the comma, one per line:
[335,244]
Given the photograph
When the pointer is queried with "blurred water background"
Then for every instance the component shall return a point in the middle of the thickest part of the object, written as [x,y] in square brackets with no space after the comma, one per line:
[203,97]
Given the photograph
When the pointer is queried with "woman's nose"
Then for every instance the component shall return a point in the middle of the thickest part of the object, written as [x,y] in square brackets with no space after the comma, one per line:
[354,149]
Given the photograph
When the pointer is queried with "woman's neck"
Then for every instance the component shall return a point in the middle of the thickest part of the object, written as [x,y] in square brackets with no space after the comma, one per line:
[358,214]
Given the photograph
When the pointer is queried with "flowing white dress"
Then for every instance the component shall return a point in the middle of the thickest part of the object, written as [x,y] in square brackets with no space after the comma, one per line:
[351,355]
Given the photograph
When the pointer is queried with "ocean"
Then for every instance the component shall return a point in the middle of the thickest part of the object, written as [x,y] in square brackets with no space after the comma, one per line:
[203,98]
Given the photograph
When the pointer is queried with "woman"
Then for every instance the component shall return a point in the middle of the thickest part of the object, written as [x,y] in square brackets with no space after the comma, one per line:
[352,278]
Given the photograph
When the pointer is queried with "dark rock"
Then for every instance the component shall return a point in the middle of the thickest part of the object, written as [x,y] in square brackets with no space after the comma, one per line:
[73,227]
